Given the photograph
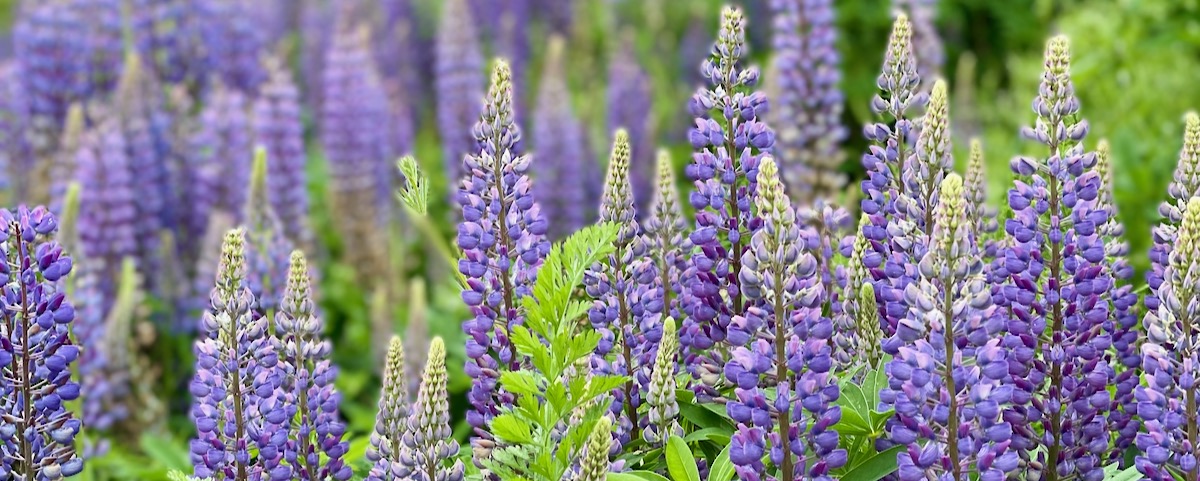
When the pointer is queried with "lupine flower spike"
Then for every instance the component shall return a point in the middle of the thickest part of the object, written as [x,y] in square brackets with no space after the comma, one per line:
[430,451]
[1170,359]
[560,149]
[666,238]
[1184,186]
[391,421]
[279,128]
[502,237]
[785,344]
[239,414]
[459,84]
[663,408]
[886,166]
[1056,336]
[983,215]
[595,464]
[314,448]
[808,108]
[946,395]
[1123,306]
[726,116]
[36,352]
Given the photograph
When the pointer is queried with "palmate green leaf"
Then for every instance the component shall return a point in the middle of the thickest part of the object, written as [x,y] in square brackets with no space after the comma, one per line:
[852,424]
[521,383]
[600,384]
[876,467]
[680,463]
[511,428]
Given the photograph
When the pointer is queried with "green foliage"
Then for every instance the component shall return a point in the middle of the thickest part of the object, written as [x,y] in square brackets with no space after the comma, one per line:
[557,402]
[862,424]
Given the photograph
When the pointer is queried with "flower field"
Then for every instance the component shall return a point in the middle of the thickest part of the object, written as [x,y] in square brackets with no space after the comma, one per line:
[589,240]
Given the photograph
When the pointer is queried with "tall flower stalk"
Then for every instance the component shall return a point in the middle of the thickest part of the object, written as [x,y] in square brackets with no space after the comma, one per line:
[786,347]
[36,352]
[314,448]
[391,420]
[946,390]
[1168,401]
[1057,282]
[429,449]
[1184,186]
[502,237]
[237,409]
[729,138]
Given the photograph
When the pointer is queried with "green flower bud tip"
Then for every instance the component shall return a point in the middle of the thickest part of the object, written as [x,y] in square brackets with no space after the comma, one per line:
[68,222]
[395,383]
[231,269]
[900,41]
[1058,56]
[1189,237]
[595,463]
[415,193]
[773,203]
[1190,155]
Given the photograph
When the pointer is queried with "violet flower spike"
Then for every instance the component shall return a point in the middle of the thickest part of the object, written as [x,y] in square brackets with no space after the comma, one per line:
[724,169]
[663,410]
[946,394]
[458,83]
[391,421]
[1184,186]
[502,237]
[36,352]
[1052,307]
[430,451]
[807,104]
[1169,357]
[629,107]
[278,127]
[560,150]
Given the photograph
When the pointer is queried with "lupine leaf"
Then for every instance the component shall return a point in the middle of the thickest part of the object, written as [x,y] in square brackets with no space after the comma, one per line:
[680,462]
[722,467]
[876,467]
[509,428]
[636,476]
[522,383]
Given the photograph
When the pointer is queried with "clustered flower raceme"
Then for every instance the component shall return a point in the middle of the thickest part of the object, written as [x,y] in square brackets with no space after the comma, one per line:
[807,110]
[892,230]
[502,237]
[729,139]
[265,405]
[783,342]
[947,382]
[1184,186]
[279,129]
[37,440]
[1052,304]
[926,40]
[629,108]
[1170,358]
[458,84]
[563,159]
[984,216]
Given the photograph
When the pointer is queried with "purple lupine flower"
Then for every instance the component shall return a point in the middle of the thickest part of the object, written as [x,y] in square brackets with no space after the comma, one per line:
[563,156]
[694,48]
[1123,325]
[16,154]
[1184,186]
[166,34]
[945,388]
[726,117]
[239,411]
[108,204]
[891,232]
[1170,360]
[139,112]
[279,129]
[502,237]
[629,107]
[221,169]
[353,135]
[318,22]
[205,270]
[825,236]
[268,250]
[666,238]
[233,42]
[50,45]
[808,109]
[430,450]
[783,342]
[185,160]
[1052,305]
[391,420]
[459,83]
[104,48]
[926,40]
[36,352]
[314,448]
[614,286]
[397,53]
[662,408]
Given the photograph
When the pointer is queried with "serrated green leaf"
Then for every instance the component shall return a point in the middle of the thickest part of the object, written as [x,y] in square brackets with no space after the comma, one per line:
[510,428]
[680,463]
[521,383]
[876,467]
[722,467]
